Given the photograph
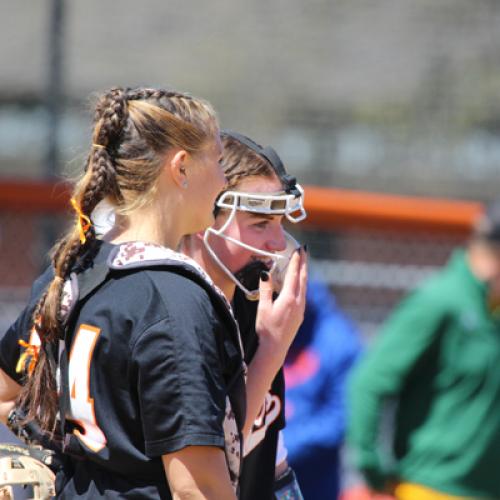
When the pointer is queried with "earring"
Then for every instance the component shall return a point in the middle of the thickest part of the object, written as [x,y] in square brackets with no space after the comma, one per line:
[184,182]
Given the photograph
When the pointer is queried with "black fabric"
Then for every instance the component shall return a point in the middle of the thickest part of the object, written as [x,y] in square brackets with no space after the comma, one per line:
[159,376]
[10,349]
[249,275]
[257,477]
[90,481]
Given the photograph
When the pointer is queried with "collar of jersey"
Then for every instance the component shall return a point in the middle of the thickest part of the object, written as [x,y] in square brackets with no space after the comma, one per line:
[136,254]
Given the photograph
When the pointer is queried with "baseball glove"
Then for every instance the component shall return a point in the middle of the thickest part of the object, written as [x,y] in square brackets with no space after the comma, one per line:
[24,466]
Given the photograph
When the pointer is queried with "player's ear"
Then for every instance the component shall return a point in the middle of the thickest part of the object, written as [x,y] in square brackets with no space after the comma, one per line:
[177,166]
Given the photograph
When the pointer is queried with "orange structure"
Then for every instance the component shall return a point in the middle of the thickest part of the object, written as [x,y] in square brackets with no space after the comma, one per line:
[327,208]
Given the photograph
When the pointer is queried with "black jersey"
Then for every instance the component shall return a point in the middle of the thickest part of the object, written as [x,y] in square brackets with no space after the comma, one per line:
[259,463]
[149,357]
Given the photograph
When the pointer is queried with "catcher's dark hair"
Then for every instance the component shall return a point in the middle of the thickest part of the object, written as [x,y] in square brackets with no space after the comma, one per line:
[240,161]
[133,130]
[267,153]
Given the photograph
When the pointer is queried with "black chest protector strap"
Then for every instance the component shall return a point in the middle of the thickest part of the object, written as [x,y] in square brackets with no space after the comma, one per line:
[89,281]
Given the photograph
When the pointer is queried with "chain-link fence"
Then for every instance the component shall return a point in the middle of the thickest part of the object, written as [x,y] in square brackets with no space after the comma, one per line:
[370,270]
[25,239]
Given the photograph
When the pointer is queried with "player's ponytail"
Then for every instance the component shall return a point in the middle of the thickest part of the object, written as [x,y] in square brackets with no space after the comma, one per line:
[133,130]
[39,393]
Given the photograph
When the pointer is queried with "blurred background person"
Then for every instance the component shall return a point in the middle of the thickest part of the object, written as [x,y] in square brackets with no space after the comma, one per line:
[437,358]
[316,369]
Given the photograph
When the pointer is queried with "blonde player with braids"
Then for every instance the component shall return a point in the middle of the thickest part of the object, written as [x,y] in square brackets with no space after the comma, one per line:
[129,342]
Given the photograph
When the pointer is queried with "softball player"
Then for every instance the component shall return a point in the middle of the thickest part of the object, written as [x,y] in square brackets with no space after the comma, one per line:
[247,239]
[129,342]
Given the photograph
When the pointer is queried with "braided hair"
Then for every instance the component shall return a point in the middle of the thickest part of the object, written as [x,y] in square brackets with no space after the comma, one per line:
[133,130]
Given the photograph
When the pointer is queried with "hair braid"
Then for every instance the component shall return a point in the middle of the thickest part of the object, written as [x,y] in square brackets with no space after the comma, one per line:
[110,117]
[47,320]
[111,120]
[102,181]
[155,94]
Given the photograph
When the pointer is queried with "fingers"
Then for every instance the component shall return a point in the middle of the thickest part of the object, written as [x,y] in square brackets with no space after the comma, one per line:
[295,281]
[265,289]
[290,283]
[302,285]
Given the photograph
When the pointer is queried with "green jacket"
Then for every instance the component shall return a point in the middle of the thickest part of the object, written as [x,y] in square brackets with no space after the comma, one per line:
[438,357]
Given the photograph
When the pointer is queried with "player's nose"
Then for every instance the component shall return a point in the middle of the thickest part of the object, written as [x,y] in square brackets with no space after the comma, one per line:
[277,240]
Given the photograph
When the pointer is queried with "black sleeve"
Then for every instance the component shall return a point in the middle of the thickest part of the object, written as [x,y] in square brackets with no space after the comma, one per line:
[10,349]
[9,345]
[181,387]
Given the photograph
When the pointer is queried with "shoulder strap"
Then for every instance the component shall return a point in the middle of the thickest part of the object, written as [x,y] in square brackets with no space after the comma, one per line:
[91,279]
[87,282]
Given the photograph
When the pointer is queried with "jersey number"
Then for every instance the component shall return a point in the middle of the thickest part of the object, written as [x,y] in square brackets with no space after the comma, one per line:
[81,404]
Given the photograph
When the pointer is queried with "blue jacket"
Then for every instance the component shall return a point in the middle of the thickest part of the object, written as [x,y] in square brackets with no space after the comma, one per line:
[316,369]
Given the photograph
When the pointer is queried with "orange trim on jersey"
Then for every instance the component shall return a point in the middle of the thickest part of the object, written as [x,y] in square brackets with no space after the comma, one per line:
[90,400]
[89,444]
[91,350]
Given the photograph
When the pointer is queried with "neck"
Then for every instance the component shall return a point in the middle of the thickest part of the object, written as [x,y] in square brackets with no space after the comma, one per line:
[194,247]
[151,224]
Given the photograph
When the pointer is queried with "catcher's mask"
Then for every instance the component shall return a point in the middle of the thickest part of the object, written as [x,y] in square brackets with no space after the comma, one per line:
[21,466]
[289,202]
